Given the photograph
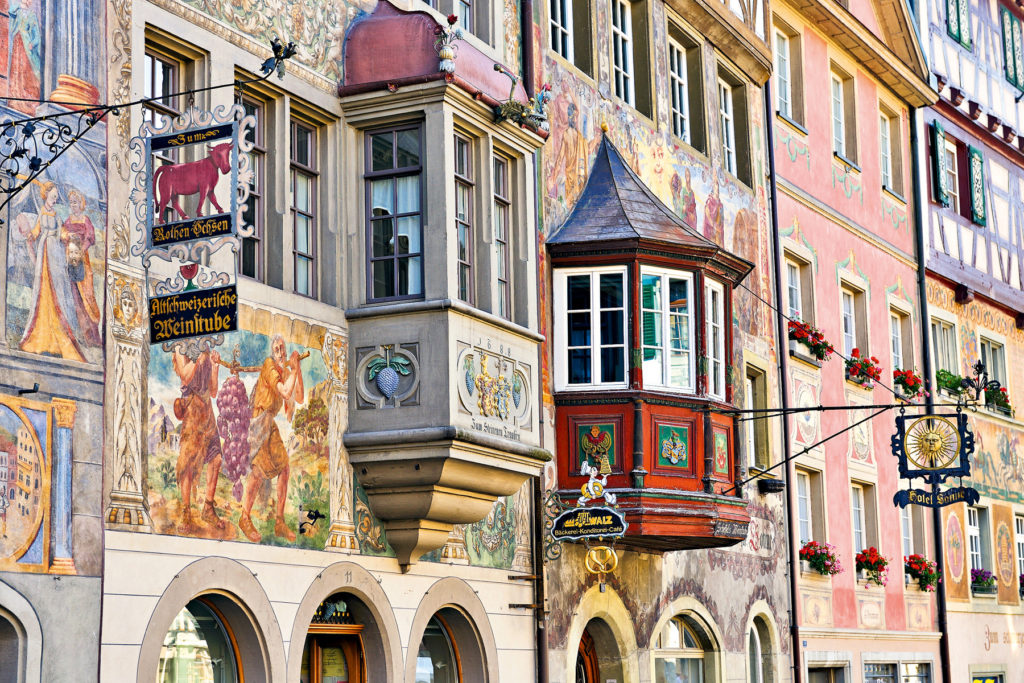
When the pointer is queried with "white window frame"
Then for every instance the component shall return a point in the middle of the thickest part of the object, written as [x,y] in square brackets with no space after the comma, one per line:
[951,182]
[907,530]
[992,352]
[562,333]
[1018,522]
[858,504]
[805,510]
[784,75]
[727,123]
[838,99]
[794,290]
[944,349]
[755,656]
[885,141]
[749,431]
[716,356]
[665,274]
[848,319]
[896,339]
[680,91]
[622,51]
[561,28]
[974,547]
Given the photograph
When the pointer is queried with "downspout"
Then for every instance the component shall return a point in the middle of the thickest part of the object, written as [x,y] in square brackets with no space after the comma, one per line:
[782,350]
[526,39]
[929,372]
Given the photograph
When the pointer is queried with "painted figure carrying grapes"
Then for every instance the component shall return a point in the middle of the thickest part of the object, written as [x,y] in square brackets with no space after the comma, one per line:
[200,442]
[279,386]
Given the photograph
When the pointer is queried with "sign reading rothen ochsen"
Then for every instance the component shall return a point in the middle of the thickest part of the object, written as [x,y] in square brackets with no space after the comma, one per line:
[189,314]
[594,522]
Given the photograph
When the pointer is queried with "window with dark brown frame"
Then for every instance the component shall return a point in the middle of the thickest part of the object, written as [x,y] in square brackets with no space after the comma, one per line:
[394,226]
[464,216]
[502,224]
[304,178]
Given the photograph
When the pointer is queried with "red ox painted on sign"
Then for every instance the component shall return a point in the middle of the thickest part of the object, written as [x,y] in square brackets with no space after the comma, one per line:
[195,177]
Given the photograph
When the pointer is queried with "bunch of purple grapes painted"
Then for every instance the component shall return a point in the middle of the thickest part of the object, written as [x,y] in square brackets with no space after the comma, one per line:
[233,425]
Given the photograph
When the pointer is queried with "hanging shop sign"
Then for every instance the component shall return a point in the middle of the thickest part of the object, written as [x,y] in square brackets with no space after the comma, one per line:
[933,447]
[593,522]
[192,180]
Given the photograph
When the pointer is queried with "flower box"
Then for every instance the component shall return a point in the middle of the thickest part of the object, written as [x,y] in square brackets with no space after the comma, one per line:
[983,582]
[998,400]
[820,558]
[920,572]
[874,565]
[800,352]
[863,370]
[908,383]
[811,338]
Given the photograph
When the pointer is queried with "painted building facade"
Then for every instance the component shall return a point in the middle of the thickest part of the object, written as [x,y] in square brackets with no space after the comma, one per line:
[972,253]
[847,79]
[656,242]
[380,525]
[52,255]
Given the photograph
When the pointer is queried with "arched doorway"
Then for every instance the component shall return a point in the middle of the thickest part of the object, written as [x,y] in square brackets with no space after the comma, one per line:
[10,650]
[199,646]
[597,657]
[449,650]
[334,651]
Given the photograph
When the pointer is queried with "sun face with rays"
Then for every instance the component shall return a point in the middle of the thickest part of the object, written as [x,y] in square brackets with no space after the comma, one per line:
[932,443]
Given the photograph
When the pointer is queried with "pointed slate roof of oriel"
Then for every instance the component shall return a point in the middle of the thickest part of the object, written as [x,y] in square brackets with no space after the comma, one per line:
[616,206]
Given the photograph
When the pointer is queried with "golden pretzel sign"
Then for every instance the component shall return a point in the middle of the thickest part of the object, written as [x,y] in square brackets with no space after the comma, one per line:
[601,560]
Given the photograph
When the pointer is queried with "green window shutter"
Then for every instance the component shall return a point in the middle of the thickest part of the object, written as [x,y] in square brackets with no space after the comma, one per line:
[938,139]
[976,163]
[1018,57]
[965,23]
[953,19]
[1008,61]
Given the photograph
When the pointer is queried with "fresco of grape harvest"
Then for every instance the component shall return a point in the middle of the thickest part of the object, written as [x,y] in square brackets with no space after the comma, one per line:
[237,439]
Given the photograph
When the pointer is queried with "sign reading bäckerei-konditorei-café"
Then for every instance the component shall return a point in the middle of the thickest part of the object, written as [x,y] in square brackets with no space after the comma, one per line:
[588,522]
[192,314]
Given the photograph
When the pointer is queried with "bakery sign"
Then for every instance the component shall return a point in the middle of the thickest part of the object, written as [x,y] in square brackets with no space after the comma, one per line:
[192,180]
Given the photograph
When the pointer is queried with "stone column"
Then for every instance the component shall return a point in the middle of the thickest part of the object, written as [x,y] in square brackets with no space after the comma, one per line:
[342,534]
[63,561]
[127,509]
[73,50]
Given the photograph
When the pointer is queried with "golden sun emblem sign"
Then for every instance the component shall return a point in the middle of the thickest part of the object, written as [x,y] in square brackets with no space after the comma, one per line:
[932,443]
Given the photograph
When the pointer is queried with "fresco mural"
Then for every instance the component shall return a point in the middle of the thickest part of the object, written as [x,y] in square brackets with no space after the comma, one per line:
[238,448]
[35,485]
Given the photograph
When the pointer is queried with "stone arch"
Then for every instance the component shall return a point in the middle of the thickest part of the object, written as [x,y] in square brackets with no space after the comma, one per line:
[238,596]
[611,611]
[382,640]
[708,633]
[469,624]
[16,609]
[762,619]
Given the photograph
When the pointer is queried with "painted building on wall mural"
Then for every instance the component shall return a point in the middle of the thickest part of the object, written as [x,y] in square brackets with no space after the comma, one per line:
[52,260]
[846,219]
[656,231]
[341,482]
[972,252]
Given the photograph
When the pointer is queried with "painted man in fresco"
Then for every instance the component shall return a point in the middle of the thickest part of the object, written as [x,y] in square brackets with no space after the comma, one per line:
[200,440]
[279,386]
[714,221]
[685,199]
[571,155]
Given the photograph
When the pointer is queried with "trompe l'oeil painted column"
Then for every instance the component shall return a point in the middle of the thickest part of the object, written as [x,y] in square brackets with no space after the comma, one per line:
[63,559]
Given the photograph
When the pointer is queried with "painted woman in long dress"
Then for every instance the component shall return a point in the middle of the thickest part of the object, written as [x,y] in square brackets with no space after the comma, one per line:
[78,234]
[55,325]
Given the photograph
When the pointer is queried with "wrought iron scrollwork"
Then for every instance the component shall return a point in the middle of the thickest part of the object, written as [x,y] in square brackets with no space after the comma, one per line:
[29,146]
